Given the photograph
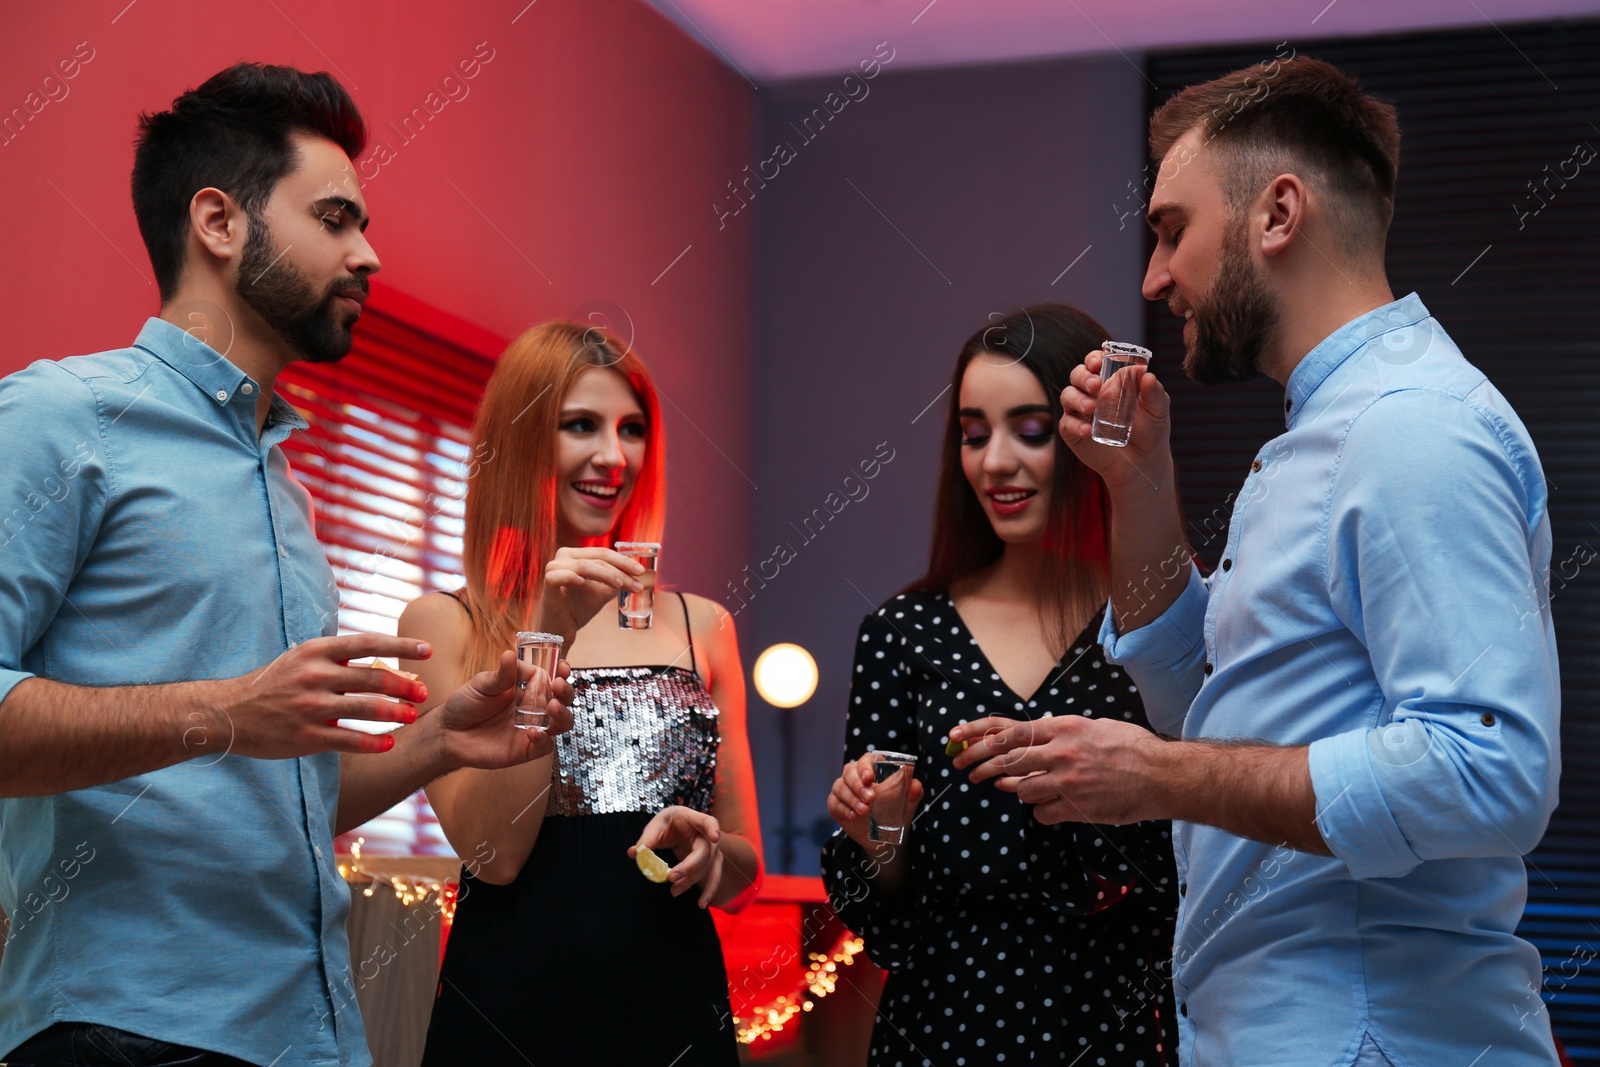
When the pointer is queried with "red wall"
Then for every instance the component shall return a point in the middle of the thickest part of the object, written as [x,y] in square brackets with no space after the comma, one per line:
[590,145]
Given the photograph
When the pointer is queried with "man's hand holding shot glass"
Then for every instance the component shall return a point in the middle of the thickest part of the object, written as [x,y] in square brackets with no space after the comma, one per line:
[1086,770]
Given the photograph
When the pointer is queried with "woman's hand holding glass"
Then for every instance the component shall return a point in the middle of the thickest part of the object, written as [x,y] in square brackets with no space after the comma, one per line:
[850,802]
[579,582]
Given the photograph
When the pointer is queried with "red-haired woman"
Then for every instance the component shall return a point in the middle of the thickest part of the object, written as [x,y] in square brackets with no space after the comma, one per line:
[1006,941]
[562,952]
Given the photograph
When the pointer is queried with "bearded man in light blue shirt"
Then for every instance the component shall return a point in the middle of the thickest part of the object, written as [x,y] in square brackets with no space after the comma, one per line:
[171,682]
[1363,700]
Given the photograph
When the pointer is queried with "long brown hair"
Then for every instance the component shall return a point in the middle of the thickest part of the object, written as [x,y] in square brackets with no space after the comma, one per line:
[1049,340]
[512,516]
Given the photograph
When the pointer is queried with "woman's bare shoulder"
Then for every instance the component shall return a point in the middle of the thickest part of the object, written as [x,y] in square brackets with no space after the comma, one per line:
[433,613]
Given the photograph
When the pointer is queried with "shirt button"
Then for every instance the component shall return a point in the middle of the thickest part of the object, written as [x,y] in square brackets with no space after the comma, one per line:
[1488,718]
[247,388]
[318,850]
[1227,564]
[1183,889]
[283,552]
[1256,466]
[1288,404]
[1183,1009]
[1208,667]
[222,394]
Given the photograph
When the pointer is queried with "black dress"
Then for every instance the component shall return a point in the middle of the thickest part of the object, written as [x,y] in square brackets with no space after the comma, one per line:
[582,960]
[1009,941]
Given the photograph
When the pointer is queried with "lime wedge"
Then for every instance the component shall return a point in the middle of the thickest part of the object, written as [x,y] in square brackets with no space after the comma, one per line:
[956,747]
[378,664]
[651,865]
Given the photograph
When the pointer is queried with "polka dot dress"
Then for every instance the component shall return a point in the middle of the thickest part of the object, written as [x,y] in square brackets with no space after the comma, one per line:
[1010,941]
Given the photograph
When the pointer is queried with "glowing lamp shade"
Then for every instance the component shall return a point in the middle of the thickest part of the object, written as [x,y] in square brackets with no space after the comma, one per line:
[786,676]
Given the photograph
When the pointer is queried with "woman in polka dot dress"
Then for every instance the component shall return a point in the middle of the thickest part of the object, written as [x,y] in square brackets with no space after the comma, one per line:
[1006,941]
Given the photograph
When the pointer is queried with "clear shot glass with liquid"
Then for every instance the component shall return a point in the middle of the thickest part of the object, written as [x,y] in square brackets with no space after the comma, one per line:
[892,773]
[542,650]
[634,610]
[1122,368]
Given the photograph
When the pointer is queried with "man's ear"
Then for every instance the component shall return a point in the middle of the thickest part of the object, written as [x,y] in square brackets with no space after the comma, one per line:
[1286,204]
[216,219]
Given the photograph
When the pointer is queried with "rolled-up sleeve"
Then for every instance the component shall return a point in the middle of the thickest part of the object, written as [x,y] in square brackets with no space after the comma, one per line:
[1438,561]
[1166,658]
[52,490]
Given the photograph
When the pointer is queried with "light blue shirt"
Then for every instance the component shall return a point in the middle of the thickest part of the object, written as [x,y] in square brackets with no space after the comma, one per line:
[1383,599]
[146,536]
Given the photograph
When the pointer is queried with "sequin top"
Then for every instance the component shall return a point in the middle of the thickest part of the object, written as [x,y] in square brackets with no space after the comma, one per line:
[642,738]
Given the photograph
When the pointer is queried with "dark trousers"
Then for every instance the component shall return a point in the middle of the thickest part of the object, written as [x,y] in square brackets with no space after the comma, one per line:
[89,1045]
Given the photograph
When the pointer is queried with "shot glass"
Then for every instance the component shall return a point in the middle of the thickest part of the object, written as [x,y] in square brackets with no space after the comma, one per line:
[1122,368]
[634,610]
[541,650]
[892,773]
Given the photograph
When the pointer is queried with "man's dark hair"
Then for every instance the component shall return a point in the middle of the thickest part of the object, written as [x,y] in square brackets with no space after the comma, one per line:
[232,133]
[1300,116]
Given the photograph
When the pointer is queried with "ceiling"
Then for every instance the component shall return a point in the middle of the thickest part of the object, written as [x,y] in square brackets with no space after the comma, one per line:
[777,40]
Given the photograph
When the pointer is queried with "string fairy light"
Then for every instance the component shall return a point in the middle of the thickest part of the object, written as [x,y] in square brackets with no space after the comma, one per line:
[820,979]
[407,889]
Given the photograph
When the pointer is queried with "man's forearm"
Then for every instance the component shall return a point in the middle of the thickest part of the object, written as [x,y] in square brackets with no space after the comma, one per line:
[57,737]
[1149,552]
[1255,791]
[370,785]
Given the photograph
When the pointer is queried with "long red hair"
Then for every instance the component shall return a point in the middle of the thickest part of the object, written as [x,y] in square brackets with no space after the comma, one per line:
[512,517]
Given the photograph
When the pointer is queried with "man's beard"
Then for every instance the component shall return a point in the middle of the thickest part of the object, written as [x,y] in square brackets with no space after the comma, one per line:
[1236,321]
[283,297]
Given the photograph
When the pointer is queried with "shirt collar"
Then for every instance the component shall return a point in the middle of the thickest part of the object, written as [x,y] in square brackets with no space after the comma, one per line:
[207,368]
[1343,343]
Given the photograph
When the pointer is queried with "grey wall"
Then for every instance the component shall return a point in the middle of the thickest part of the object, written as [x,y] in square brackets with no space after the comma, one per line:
[984,184]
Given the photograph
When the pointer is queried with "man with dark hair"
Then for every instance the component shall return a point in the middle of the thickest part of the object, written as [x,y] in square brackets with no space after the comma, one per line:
[170,686]
[1367,689]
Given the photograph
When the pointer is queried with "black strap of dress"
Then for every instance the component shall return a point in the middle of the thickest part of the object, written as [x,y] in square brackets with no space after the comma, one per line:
[688,628]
